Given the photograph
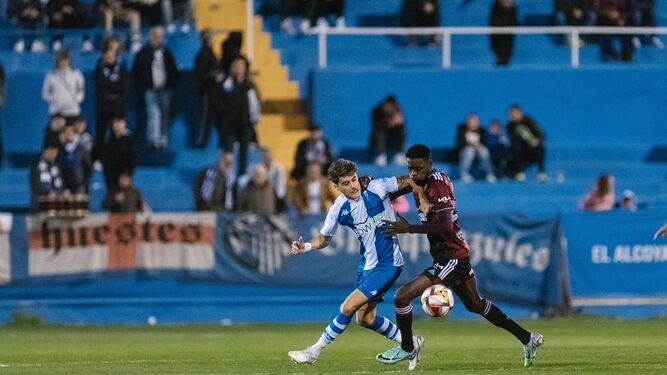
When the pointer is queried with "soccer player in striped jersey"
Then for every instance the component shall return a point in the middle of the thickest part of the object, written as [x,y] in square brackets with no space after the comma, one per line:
[362,212]
[451,263]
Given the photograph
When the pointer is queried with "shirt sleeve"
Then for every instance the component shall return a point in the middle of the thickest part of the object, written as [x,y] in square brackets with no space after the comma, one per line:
[440,195]
[383,186]
[331,221]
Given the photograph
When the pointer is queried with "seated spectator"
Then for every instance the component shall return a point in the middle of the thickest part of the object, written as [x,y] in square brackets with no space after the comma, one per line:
[574,13]
[45,175]
[258,196]
[420,13]
[74,163]
[314,148]
[498,145]
[614,13]
[526,145]
[3,97]
[118,155]
[276,173]
[67,14]
[120,9]
[320,9]
[289,9]
[28,15]
[179,7]
[314,193]
[470,144]
[601,198]
[642,14]
[628,201]
[388,132]
[64,87]
[56,126]
[503,14]
[123,197]
[111,83]
[214,187]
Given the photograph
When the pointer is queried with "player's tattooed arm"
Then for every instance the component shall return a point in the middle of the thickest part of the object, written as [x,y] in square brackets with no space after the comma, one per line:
[406,185]
[319,242]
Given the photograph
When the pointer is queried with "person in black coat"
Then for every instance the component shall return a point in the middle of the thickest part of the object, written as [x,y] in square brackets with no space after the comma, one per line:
[503,14]
[110,89]
[208,74]
[312,149]
[156,73]
[240,110]
[118,155]
[526,144]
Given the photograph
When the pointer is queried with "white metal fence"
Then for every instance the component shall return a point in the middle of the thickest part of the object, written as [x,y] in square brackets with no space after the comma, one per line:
[446,34]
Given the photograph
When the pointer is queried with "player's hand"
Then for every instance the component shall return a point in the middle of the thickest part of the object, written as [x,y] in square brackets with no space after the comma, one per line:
[364,181]
[425,206]
[298,246]
[396,227]
[661,232]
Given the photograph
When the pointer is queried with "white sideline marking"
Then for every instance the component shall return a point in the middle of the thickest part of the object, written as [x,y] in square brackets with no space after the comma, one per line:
[1,365]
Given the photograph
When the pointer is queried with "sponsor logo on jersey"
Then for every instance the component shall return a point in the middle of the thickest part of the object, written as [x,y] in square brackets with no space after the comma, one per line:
[368,226]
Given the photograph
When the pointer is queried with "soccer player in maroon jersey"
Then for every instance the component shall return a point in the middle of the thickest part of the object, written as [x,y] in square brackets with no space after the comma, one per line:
[451,263]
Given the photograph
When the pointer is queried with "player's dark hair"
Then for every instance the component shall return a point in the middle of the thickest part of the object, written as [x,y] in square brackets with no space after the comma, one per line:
[341,168]
[418,151]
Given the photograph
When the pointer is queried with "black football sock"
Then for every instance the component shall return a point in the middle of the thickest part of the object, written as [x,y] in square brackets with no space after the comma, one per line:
[404,322]
[499,319]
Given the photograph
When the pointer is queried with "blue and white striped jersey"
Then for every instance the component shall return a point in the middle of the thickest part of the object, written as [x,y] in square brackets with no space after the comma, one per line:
[364,217]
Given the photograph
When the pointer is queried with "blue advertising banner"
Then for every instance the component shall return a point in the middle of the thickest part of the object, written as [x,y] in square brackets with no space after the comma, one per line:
[614,260]
[516,259]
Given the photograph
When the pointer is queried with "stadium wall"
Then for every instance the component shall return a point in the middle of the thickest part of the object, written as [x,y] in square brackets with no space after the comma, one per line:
[236,268]
[574,106]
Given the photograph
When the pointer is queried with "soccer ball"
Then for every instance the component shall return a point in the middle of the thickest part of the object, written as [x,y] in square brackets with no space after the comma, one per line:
[437,300]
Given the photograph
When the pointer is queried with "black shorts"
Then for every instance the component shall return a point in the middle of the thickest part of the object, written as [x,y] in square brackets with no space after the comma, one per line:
[450,272]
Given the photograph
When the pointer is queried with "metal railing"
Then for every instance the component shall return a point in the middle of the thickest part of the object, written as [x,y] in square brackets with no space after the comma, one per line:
[446,34]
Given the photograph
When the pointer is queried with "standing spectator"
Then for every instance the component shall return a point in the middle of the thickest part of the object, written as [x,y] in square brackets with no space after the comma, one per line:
[67,14]
[214,187]
[123,197]
[240,110]
[314,148]
[86,144]
[209,75]
[258,196]
[314,193]
[181,7]
[526,144]
[388,131]
[120,9]
[642,13]
[118,153]
[73,163]
[601,198]
[320,9]
[614,13]
[110,89]
[276,174]
[420,13]
[63,87]
[470,143]
[498,145]
[503,14]
[155,70]
[45,176]
[28,15]
[574,13]
[231,50]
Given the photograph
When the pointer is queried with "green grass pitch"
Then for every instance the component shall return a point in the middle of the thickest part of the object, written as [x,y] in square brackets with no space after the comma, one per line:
[588,345]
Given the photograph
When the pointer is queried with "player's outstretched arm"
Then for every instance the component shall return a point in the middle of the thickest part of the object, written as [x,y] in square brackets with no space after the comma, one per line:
[406,185]
[661,232]
[319,242]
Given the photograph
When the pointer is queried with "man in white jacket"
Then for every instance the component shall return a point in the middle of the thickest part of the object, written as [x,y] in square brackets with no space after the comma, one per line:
[64,87]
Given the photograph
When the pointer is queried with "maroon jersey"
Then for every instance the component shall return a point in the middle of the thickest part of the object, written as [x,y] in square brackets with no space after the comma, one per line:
[440,192]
